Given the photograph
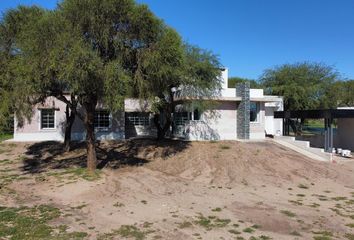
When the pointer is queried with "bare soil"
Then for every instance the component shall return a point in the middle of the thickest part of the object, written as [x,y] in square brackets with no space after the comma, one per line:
[183,190]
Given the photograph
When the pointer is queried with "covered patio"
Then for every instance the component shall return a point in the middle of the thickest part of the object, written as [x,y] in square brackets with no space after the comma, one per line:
[327,114]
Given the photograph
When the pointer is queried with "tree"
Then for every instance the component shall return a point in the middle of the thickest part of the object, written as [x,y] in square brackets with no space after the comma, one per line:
[113,35]
[344,93]
[303,85]
[89,49]
[232,81]
[177,70]
[39,40]
[14,94]
[158,72]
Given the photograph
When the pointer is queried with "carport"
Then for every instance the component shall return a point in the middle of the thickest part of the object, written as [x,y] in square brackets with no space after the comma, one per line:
[327,114]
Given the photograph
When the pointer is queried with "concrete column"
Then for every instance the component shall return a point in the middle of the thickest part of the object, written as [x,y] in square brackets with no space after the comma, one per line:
[243,110]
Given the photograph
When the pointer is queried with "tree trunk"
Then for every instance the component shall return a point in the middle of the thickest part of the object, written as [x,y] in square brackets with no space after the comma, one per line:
[160,133]
[90,135]
[162,128]
[70,118]
[165,111]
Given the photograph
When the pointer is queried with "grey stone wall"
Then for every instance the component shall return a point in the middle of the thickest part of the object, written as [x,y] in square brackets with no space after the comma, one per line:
[243,110]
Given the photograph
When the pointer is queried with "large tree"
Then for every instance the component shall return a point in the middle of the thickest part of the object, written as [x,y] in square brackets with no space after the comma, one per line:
[180,71]
[89,49]
[43,46]
[15,95]
[112,36]
[303,85]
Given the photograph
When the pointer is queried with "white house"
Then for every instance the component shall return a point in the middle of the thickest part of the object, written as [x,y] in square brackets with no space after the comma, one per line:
[240,113]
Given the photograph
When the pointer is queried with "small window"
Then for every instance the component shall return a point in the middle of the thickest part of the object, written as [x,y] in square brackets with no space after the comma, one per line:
[102,119]
[137,119]
[196,115]
[47,119]
[254,112]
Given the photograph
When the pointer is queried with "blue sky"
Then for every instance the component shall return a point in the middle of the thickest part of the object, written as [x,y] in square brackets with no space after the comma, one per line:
[252,35]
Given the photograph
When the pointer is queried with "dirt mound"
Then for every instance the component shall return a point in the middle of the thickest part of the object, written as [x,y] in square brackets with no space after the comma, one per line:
[224,162]
[236,162]
[176,189]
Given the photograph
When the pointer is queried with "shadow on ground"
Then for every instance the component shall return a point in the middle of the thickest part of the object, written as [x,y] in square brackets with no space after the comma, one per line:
[45,156]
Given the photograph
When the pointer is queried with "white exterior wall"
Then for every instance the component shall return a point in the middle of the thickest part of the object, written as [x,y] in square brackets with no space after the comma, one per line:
[256,93]
[225,91]
[257,129]
[31,130]
[219,124]
[273,126]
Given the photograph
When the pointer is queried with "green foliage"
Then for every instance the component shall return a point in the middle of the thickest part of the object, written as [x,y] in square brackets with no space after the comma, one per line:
[322,238]
[172,70]
[126,231]
[77,173]
[4,137]
[32,223]
[344,93]
[248,230]
[216,209]
[211,222]
[303,85]
[288,213]
[13,94]
[232,81]
[91,49]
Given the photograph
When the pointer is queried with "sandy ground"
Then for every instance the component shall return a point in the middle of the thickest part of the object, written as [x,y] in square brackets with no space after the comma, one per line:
[179,190]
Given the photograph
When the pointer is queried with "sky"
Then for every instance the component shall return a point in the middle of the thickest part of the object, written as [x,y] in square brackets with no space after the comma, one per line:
[250,36]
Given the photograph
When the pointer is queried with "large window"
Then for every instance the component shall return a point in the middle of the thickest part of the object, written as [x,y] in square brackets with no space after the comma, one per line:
[47,119]
[102,119]
[137,118]
[180,118]
[254,112]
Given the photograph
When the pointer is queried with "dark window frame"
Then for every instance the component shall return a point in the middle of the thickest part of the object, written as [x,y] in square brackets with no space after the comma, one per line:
[137,118]
[47,121]
[102,119]
[254,112]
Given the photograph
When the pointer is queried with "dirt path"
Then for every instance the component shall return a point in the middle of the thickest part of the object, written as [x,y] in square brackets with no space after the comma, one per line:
[199,190]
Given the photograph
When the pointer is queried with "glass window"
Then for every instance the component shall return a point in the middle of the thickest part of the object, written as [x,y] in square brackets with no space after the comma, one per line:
[47,119]
[102,119]
[180,118]
[254,112]
[196,115]
[137,118]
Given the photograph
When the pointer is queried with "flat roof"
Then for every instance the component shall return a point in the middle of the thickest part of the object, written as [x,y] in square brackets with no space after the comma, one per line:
[316,114]
[236,99]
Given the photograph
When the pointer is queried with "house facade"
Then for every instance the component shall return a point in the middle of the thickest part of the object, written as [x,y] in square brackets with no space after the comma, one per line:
[239,113]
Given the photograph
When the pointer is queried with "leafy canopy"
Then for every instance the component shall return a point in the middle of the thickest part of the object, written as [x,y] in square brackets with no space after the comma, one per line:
[14,94]
[303,85]
[232,81]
